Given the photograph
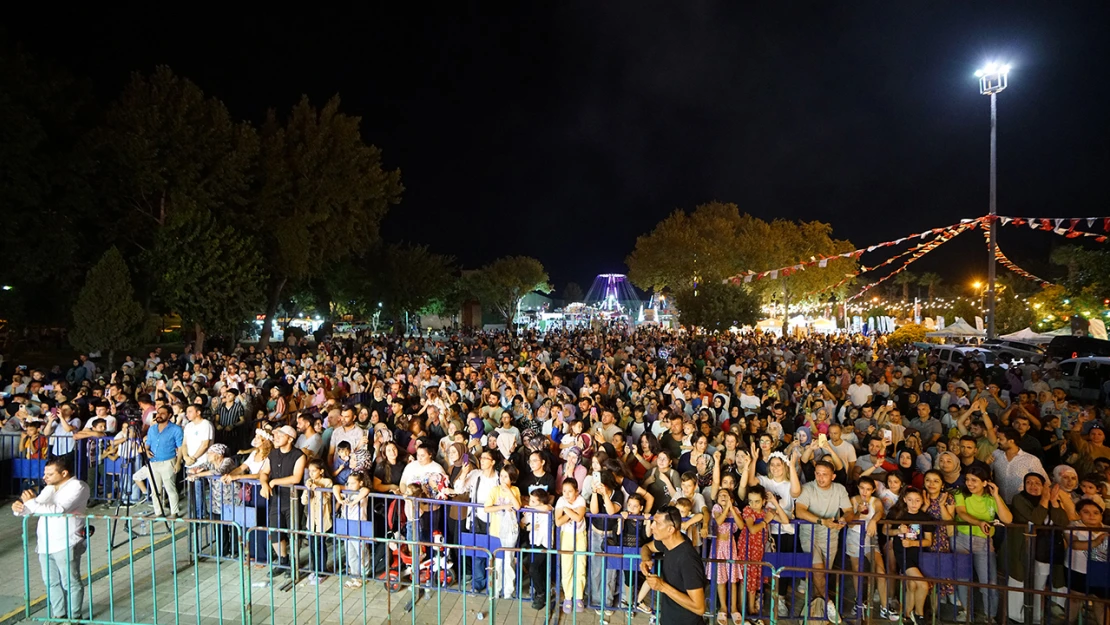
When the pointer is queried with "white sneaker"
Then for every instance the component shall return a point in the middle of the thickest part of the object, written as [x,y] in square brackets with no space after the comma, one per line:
[780,607]
[831,613]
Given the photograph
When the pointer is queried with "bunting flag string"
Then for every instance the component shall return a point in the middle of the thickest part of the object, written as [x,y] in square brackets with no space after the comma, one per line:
[1009,264]
[1056,225]
[922,251]
[813,261]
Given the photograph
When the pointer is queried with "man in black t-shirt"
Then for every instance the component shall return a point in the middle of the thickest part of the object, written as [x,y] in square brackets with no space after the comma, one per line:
[681,581]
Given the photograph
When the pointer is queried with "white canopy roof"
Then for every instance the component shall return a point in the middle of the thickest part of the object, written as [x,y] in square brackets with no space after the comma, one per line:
[1028,336]
[957,328]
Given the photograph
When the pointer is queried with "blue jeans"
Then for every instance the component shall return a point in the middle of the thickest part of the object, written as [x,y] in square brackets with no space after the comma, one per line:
[61,574]
[986,570]
[597,545]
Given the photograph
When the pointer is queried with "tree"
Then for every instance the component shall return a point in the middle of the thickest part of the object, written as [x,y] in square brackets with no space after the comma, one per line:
[573,293]
[1071,257]
[931,281]
[906,335]
[685,249]
[43,113]
[502,283]
[320,197]
[408,278]
[782,243]
[716,242]
[209,273]
[166,151]
[718,306]
[905,280]
[106,316]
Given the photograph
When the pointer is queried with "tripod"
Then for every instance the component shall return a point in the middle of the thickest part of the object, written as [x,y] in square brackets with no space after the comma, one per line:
[137,463]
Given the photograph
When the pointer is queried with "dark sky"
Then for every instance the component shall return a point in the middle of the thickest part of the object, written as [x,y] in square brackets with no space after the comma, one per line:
[564,130]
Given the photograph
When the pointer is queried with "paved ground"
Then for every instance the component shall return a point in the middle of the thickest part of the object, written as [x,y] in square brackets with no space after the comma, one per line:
[174,586]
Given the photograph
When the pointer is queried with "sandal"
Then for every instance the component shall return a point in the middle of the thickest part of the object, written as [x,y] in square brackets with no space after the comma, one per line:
[738,618]
[722,618]
[353,583]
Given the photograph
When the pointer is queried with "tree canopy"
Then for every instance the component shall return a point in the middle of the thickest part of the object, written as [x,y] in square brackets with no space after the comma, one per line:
[209,273]
[321,195]
[717,306]
[502,283]
[106,316]
[716,242]
[410,279]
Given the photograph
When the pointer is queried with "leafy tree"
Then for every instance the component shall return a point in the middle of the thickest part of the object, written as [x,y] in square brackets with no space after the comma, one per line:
[106,316]
[783,243]
[905,280]
[906,335]
[1012,313]
[320,198]
[502,283]
[573,293]
[167,152]
[685,249]
[408,279]
[716,242]
[208,273]
[43,113]
[717,306]
[931,281]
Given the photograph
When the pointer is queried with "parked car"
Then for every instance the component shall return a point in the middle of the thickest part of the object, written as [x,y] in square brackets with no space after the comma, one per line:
[1007,350]
[1063,347]
[1085,376]
[955,354]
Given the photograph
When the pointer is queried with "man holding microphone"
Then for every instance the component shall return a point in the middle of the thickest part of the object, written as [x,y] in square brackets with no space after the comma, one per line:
[61,540]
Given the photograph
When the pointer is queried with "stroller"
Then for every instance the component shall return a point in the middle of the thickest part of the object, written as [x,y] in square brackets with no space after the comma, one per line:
[435,567]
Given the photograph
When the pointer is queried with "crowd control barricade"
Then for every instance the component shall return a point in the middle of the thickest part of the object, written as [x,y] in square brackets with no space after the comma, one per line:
[342,592]
[17,471]
[153,576]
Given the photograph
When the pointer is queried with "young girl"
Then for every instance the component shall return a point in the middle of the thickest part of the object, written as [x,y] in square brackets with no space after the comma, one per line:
[504,500]
[570,518]
[352,506]
[861,540]
[636,532]
[911,535]
[317,505]
[1087,543]
[757,517]
[728,520]
[538,523]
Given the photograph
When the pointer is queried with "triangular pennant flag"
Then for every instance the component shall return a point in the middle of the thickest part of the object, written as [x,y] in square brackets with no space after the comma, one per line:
[1074,223]
[1018,221]
[1058,222]
[747,278]
[775,274]
[1090,222]
[824,262]
[1100,239]
[1032,224]
[1046,224]
[1005,220]
[1106,224]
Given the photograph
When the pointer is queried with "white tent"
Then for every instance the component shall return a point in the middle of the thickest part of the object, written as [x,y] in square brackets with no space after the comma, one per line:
[1027,336]
[959,328]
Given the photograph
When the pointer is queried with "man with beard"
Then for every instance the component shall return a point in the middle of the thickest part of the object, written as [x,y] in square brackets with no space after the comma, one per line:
[164,440]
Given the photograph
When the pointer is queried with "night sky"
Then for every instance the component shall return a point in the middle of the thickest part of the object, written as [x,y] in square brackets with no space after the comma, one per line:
[564,130]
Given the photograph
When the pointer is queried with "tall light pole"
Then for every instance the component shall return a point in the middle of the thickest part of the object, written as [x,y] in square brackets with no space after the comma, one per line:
[992,80]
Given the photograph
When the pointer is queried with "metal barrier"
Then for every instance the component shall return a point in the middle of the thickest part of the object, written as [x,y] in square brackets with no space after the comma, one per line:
[151,576]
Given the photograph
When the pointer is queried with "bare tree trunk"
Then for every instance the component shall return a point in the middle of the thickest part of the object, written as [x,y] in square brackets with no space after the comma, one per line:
[198,344]
[785,311]
[271,311]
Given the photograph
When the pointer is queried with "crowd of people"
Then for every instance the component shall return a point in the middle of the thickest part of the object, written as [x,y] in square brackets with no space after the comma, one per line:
[706,452]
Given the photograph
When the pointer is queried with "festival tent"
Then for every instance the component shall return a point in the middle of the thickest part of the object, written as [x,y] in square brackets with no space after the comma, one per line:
[1027,336]
[959,328]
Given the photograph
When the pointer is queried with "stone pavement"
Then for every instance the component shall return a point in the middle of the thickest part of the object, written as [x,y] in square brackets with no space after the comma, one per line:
[151,576]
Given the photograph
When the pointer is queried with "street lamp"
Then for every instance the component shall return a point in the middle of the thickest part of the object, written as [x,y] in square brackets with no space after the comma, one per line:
[993,78]
[979,288]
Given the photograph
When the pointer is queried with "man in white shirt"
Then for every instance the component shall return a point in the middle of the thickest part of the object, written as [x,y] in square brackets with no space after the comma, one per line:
[308,439]
[199,434]
[859,392]
[60,540]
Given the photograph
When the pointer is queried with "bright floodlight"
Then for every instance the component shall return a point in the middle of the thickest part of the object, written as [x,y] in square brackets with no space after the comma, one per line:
[992,78]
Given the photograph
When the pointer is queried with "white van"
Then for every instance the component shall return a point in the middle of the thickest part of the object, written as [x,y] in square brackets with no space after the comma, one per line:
[1085,376]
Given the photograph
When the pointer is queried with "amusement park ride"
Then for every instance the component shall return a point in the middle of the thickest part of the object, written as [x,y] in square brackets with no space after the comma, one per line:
[611,300]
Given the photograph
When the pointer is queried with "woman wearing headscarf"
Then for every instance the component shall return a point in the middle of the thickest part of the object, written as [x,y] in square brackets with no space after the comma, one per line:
[948,465]
[1037,504]
[1067,478]
[907,466]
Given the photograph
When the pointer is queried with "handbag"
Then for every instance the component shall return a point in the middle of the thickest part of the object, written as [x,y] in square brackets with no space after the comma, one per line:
[510,529]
